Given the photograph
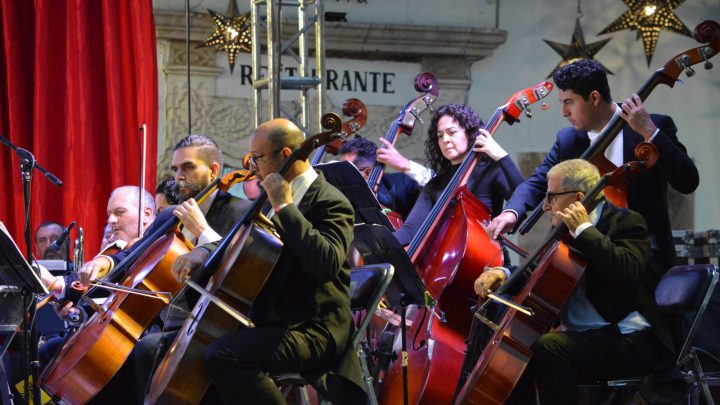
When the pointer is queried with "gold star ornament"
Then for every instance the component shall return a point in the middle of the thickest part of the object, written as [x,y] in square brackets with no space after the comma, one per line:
[577,49]
[232,33]
[648,18]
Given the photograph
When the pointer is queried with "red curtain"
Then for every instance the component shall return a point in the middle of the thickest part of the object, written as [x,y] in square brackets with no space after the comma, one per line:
[77,80]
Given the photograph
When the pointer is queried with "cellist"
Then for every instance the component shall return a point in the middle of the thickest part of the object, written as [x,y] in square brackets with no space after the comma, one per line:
[397,191]
[197,161]
[612,326]
[302,317]
[454,131]
[588,107]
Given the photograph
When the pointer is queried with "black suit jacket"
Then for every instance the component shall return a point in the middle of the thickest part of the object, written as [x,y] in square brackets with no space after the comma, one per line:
[647,193]
[617,250]
[398,192]
[311,280]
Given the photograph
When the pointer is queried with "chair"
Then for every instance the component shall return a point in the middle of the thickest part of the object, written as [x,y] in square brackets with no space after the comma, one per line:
[682,290]
[367,287]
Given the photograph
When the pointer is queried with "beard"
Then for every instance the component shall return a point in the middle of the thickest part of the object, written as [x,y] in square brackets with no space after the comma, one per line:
[52,254]
[184,195]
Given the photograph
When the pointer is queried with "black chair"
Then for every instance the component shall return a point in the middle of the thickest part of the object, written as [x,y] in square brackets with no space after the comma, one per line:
[682,290]
[367,287]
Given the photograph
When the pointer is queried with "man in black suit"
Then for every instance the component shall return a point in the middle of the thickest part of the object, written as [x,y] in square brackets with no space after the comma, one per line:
[397,191]
[612,326]
[303,319]
[586,103]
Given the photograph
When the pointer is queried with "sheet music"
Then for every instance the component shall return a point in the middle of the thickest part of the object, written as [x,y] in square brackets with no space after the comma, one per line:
[13,264]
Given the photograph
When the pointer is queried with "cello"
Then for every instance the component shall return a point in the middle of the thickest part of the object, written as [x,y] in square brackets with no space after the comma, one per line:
[706,32]
[405,123]
[241,265]
[448,264]
[550,274]
[97,350]
[352,107]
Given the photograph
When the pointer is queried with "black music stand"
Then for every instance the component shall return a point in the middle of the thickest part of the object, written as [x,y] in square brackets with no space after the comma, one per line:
[18,285]
[346,178]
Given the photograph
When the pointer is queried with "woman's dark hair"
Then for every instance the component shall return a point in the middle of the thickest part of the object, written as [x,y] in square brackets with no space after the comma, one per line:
[466,117]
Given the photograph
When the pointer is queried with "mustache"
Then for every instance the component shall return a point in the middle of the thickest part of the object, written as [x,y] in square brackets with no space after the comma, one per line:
[177,185]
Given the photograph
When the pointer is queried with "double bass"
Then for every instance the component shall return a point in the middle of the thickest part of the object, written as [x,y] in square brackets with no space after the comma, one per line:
[241,265]
[546,279]
[449,251]
[404,124]
[706,32]
[95,352]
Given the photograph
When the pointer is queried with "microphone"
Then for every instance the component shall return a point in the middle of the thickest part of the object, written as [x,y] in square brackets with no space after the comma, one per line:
[59,241]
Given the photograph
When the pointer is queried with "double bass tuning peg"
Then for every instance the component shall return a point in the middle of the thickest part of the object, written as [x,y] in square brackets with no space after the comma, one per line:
[684,62]
[706,53]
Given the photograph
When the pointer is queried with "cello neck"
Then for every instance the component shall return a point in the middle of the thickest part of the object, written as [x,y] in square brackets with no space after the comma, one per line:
[379,167]
[458,180]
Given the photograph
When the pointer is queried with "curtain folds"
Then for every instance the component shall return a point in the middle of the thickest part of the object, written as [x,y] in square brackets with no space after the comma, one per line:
[78,78]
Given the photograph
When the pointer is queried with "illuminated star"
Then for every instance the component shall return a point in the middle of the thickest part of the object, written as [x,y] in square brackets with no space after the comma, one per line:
[232,33]
[648,17]
[577,49]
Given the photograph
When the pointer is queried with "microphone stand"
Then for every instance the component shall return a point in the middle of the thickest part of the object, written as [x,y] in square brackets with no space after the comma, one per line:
[31,363]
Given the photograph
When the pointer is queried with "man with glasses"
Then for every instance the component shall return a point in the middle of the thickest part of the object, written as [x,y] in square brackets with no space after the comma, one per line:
[302,316]
[611,325]
[586,103]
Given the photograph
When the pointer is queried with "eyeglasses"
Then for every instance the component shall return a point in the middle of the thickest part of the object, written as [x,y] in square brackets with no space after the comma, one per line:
[255,159]
[550,197]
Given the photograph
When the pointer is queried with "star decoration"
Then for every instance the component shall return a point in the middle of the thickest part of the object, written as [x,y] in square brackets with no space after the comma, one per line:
[648,18]
[232,33]
[577,49]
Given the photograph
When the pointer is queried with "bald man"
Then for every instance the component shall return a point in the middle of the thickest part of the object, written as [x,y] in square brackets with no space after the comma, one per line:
[303,318]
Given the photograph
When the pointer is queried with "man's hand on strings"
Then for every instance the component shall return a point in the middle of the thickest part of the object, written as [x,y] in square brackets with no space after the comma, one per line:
[191,217]
[277,189]
[490,280]
[189,262]
[574,215]
[502,223]
[91,270]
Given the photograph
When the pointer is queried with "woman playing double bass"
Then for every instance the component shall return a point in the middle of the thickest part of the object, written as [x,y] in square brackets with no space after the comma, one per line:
[302,316]
[612,326]
[454,131]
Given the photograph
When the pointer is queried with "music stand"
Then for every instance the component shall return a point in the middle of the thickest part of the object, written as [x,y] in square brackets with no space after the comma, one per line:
[18,283]
[14,269]
[346,178]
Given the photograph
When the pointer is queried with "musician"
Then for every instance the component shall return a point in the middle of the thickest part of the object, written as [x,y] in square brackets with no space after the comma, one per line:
[122,211]
[397,191]
[612,326]
[392,157]
[165,195]
[303,319]
[455,130]
[45,234]
[586,103]
[197,161]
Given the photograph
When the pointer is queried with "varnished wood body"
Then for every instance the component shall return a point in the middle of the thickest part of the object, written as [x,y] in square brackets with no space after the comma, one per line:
[503,360]
[181,377]
[459,250]
[97,350]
